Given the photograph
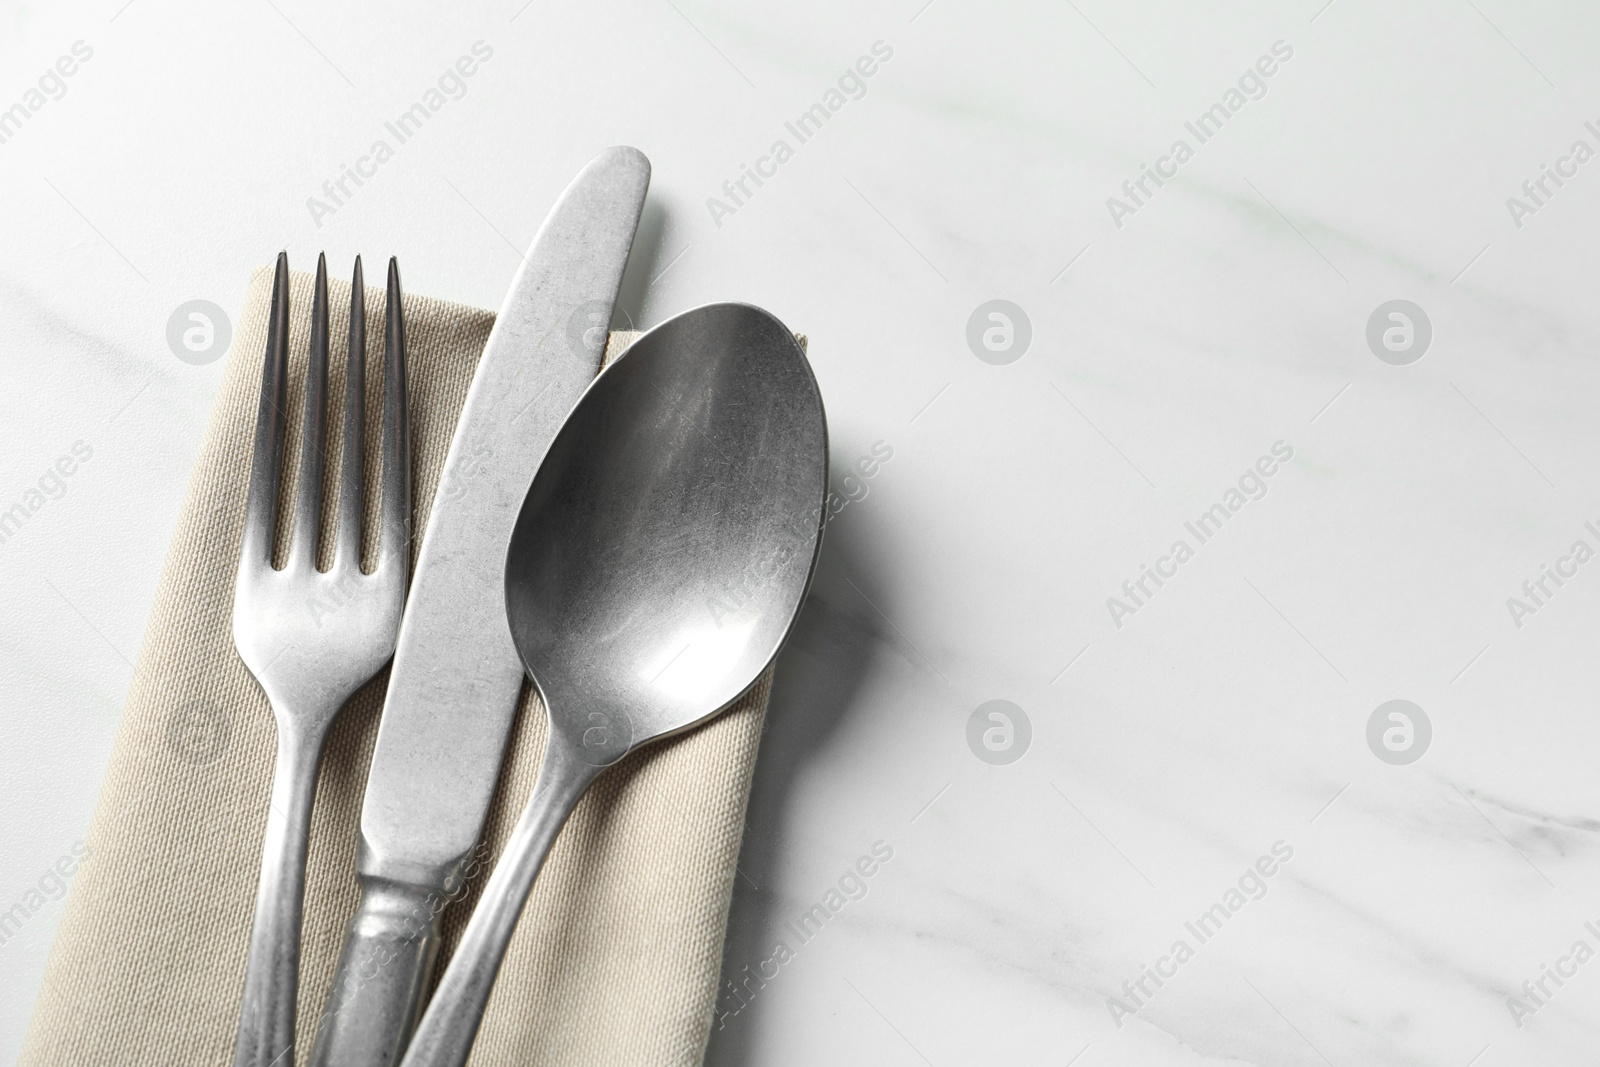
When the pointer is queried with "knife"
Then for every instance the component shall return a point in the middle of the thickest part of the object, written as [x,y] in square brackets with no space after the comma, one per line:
[456,676]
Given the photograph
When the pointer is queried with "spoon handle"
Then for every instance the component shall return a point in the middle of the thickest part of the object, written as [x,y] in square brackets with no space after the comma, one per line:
[450,1025]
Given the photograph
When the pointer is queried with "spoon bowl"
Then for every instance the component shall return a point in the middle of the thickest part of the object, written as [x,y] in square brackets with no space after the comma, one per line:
[667,542]
[659,561]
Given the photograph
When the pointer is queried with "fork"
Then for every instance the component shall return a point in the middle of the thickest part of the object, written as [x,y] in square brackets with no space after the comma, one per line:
[312,638]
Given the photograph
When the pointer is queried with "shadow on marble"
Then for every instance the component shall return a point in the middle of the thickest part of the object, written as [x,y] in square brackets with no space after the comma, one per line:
[815,689]
[643,263]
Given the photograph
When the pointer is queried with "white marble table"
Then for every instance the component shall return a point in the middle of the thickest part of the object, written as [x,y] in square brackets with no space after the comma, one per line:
[1172,736]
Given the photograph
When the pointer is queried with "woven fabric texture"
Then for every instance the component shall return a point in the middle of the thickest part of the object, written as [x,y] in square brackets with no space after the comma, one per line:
[616,958]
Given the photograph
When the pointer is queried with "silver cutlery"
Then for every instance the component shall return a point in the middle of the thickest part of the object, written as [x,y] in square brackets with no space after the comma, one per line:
[658,563]
[456,678]
[312,638]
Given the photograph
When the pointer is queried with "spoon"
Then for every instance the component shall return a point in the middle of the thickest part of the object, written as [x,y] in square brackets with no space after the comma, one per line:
[659,561]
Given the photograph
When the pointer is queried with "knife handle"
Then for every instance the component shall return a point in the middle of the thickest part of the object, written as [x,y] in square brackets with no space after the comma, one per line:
[448,1030]
[377,990]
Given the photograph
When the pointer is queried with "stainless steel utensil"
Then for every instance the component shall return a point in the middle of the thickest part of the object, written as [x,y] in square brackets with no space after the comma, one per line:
[659,561]
[312,638]
[456,678]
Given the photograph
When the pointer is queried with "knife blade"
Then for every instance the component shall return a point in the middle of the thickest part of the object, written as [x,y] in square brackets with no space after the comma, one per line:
[456,677]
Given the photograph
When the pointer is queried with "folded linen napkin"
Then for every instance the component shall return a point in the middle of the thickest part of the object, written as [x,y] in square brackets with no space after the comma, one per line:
[616,958]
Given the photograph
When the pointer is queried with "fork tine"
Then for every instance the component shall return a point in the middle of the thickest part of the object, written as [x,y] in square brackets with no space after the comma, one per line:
[261,507]
[314,432]
[395,547]
[347,551]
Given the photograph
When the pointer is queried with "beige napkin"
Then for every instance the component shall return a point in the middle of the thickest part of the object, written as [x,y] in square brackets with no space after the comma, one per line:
[617,955]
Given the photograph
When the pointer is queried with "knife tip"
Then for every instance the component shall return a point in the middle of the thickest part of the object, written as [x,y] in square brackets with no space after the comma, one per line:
[625,156]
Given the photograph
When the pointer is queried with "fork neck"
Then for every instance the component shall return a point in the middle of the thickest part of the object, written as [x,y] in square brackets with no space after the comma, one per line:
[300,742]
[304,719]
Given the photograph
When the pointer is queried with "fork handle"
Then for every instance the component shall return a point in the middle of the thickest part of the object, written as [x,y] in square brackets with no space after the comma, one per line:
[377,990]
[272,969]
